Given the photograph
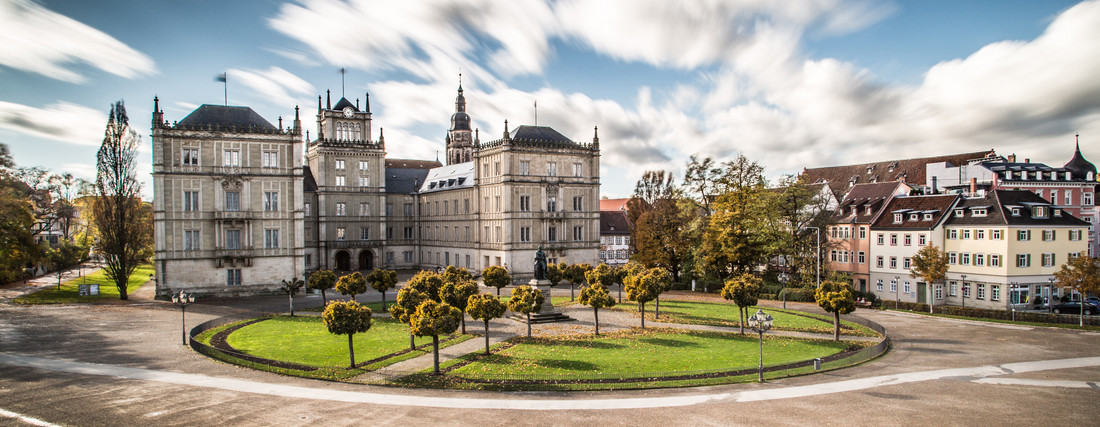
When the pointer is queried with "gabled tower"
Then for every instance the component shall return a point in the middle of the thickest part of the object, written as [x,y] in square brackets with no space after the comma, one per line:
[460,142]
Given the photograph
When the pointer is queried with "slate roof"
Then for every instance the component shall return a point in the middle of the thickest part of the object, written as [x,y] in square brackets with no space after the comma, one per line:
[226,117]
[526,133]
[448,177]
[939,206]
[613,204]
[912,171]
[863,195]
[614,223]
[1078,165]
[999,204]
[343,102]
[309,183]
[412,164]
[404,180]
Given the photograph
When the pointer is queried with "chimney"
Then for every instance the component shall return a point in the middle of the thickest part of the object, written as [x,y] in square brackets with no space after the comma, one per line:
[1026,160]
[1012,158]
[935,180]
[973,186]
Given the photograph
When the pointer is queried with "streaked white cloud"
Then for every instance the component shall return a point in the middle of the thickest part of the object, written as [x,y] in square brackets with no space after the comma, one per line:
[38,40]
[274,85]
[61,121]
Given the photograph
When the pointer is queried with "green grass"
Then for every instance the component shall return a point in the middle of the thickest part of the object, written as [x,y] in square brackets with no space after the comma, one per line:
[305,340]
[627,354]
[70,292]
[722,314]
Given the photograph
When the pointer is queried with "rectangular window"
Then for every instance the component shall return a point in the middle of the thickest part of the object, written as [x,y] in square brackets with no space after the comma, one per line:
[190,156]
[994,260]
[231,158]
[1068,199]
[191,240]
[578,203]
[341,209]
[271,238]
[1086,199]
[408,233]
[880,239]
[233,277]
[979,234]
[893,240]
[466,205]
[524,167]
[364,166]
[878,285]
[994,292]
[552,204]
[878,261]
[389,257]
[1075,235]
[389,209]
[340,165]
[389,233]
[908,240]
[964,258]
[190,201]
[271,201]
[232,201]
[981,290]
[1048,235]
[578,233]
[577,170]
[552,234]
[1048,260]
[995,234]
[952,258]
[908,288]
[364,209]
[270,159]
[966,290]
[364,233]
[893,286]
[552,169]
[407,209]
[862,232]
[952,234]
[862,257]
[906,263]
[954,289]
[966,233]
[922,240]
[1023,260]
[232,239]
[340,181]
[341,233]
[893,262]
[979,260]
[408,256]
[1023,235]
[525,234]
[364,181]
[524,203]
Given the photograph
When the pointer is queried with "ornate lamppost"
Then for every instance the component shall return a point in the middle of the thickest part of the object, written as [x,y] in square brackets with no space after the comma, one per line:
[760,323]
[182,300]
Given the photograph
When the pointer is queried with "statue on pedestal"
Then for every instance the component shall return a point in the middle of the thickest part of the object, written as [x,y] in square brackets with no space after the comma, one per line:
[540,264]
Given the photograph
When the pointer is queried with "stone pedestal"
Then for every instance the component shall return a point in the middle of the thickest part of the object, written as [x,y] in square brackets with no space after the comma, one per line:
[544,287]
[547,314]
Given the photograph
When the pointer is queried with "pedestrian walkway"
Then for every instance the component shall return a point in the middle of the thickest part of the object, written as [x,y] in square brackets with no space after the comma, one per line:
[17,289]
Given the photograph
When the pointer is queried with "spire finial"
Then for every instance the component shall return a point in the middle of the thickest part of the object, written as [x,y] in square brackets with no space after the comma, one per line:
[460,79]
[328,99]
[368,103]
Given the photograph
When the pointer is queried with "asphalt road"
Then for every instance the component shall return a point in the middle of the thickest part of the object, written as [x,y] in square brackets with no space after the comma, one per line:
[940,371]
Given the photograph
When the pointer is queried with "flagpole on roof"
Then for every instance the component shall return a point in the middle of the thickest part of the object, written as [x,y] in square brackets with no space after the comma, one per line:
[225,87]
[341,82]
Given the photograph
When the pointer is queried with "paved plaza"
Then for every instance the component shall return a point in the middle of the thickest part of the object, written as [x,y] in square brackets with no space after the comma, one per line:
[122,364]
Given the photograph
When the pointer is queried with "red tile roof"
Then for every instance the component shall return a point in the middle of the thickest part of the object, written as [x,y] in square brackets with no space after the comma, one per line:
[911,171]
[938,206]
[613,204]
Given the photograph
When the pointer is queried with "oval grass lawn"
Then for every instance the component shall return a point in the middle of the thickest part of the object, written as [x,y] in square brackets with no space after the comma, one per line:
[638,353]
[725,314]
[305,340]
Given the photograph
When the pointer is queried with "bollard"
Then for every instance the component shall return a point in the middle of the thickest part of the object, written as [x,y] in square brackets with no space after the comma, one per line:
[817,364]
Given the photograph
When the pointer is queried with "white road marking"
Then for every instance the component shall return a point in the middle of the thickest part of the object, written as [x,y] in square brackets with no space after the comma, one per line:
[509,400]
[29,420]
[1036,383]
[965,322]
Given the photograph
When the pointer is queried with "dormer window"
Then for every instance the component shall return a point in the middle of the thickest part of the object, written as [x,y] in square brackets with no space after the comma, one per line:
[868,209]
[870,169]
[960,213]
[979,212]
[1068,176]
[1057,213]
[1015,211]
[1039,211]
[927,217]
[912,217]
[897,218]
[892,166]
[853,210]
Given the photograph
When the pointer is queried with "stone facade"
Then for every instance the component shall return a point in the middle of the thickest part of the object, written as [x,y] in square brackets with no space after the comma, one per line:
[227,209]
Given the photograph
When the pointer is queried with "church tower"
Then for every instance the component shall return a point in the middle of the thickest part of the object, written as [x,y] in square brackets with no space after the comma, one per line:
[460,142]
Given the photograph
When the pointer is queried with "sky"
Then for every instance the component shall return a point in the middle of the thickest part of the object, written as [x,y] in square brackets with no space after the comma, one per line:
[790,84]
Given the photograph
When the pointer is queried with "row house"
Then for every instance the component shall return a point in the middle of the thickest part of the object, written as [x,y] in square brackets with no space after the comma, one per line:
[849,238]
[907,225]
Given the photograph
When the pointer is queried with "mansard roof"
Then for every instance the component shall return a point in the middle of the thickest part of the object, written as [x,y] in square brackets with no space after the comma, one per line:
[226,117]
[412,164]
[404,180]
[450,177]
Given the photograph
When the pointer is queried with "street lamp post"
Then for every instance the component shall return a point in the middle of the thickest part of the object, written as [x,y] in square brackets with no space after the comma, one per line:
[182,300]
[897,291]
[963,291]
[1013,286]
[817,255]
[1050,296]
[760,323]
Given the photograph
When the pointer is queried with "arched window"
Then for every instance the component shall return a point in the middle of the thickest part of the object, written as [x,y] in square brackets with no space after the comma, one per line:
[358,136]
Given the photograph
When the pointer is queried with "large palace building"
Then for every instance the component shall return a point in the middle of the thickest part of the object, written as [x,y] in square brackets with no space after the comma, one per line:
[240,206]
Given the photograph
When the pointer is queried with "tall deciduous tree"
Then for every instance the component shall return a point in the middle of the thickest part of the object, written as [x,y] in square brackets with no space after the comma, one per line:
[125,234]
[1082,274]
[382,281]
[661,223]
[485,307]
[526,300]
[743,290]
[17,247]
[835,297]
[496,276]
[930,265]
[596,296]
[352,284]
[347,318]
[738,238]
[433,319]
[322,280]
[793,206]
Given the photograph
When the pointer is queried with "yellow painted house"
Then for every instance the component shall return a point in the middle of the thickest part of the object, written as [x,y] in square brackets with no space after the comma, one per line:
[1004,246]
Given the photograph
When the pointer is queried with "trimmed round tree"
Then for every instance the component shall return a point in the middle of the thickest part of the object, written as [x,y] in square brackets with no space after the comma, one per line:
[352,284]
[576,273]
[485,307]
[402,310]
[347,318]
[555,273]
[433,319]
[743,290]
[428,283]
[642,286]
[382,281]
[457,295]
[496,276]
[526,300]
[457,275]
[596,296]
[322,280]
[835,297]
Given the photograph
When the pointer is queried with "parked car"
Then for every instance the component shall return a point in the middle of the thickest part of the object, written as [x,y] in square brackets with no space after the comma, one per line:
[1074,307]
